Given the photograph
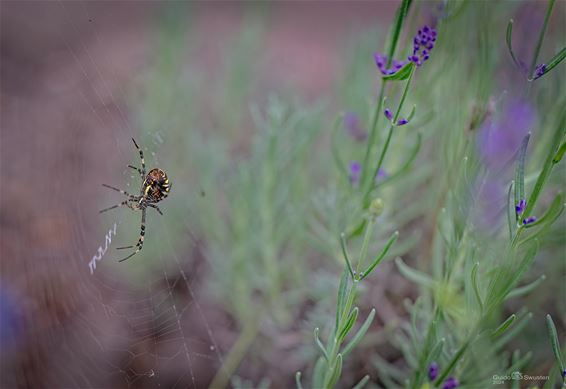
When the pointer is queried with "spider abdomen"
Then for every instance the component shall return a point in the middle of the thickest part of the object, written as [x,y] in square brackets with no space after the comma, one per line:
[156,186]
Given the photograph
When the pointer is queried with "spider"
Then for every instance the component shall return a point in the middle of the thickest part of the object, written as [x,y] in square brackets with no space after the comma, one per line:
[154,188]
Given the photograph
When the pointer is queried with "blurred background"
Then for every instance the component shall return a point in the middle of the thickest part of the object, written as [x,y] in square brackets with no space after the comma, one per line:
[235,101]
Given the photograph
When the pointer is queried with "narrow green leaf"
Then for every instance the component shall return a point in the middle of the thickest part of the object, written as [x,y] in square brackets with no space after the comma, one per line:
[547,167]
[475,284]
[382,255]
[352,317]
[400,16]
[412,113]
[551,214]
[346,256]
[516,330]
[503,326]
[523,290]
[553,335]
[319,344]
[558,57]
[341,297]
[560,153]
[451,364]
[437,350]
[520,172]
[318,373]
[414,275]
[401,74]
[511,223]
[360,334]
[362,382]
[541,36]
[508,39]
[337,371]
[335,148]
[298,380]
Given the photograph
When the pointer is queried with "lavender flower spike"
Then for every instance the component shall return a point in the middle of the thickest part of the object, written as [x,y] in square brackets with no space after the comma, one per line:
[402,122]
[433,370]
[450,383]
[388,114]
[529,220]
[519,208]
[423,43]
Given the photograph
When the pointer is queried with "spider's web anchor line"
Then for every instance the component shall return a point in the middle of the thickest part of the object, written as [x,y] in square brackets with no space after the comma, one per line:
[101,251]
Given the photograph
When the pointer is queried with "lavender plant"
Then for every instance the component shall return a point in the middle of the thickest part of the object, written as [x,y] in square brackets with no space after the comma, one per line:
[448,347]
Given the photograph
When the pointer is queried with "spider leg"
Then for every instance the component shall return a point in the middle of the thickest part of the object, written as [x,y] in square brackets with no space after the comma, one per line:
[119,190]
[139,245]
[141,157]
[138,169]
[156,208]
[125,202]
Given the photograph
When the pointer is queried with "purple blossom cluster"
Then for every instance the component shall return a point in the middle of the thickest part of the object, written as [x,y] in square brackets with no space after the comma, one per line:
[433,370]
[450,382]
[423,43]
[539,70]
[389,115]
[381,63]
[520,208]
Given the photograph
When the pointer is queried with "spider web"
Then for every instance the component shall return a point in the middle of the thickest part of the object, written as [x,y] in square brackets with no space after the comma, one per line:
[140,323]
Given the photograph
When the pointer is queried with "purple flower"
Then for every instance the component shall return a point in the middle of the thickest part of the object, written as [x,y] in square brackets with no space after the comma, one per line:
[388,113]
[450,383]
[423,43]
[381,63]
[355,172]
[519,208]
[381,174]
[500,137]
[402,122]
[354,128]
[539,71]
[433,370]
[564,373]
[529,220]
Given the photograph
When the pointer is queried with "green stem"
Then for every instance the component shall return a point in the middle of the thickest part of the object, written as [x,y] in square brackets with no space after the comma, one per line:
[389,135]
[372,136]
[236,354]
[541,37]
[365,244]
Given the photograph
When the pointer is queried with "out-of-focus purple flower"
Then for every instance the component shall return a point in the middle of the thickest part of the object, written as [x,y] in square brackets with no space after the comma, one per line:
[423,43]
[498,139]
[539,71]
[353,127]
[529,220]
[519,208]
[402,122]
[381,174]
[381,63]
[450,383]
[433,370]
[388,113]
[564,373]
[10,320]
[501,136]
[355,172]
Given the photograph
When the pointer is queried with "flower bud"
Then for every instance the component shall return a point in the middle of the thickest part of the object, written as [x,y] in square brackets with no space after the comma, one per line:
[376,207]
